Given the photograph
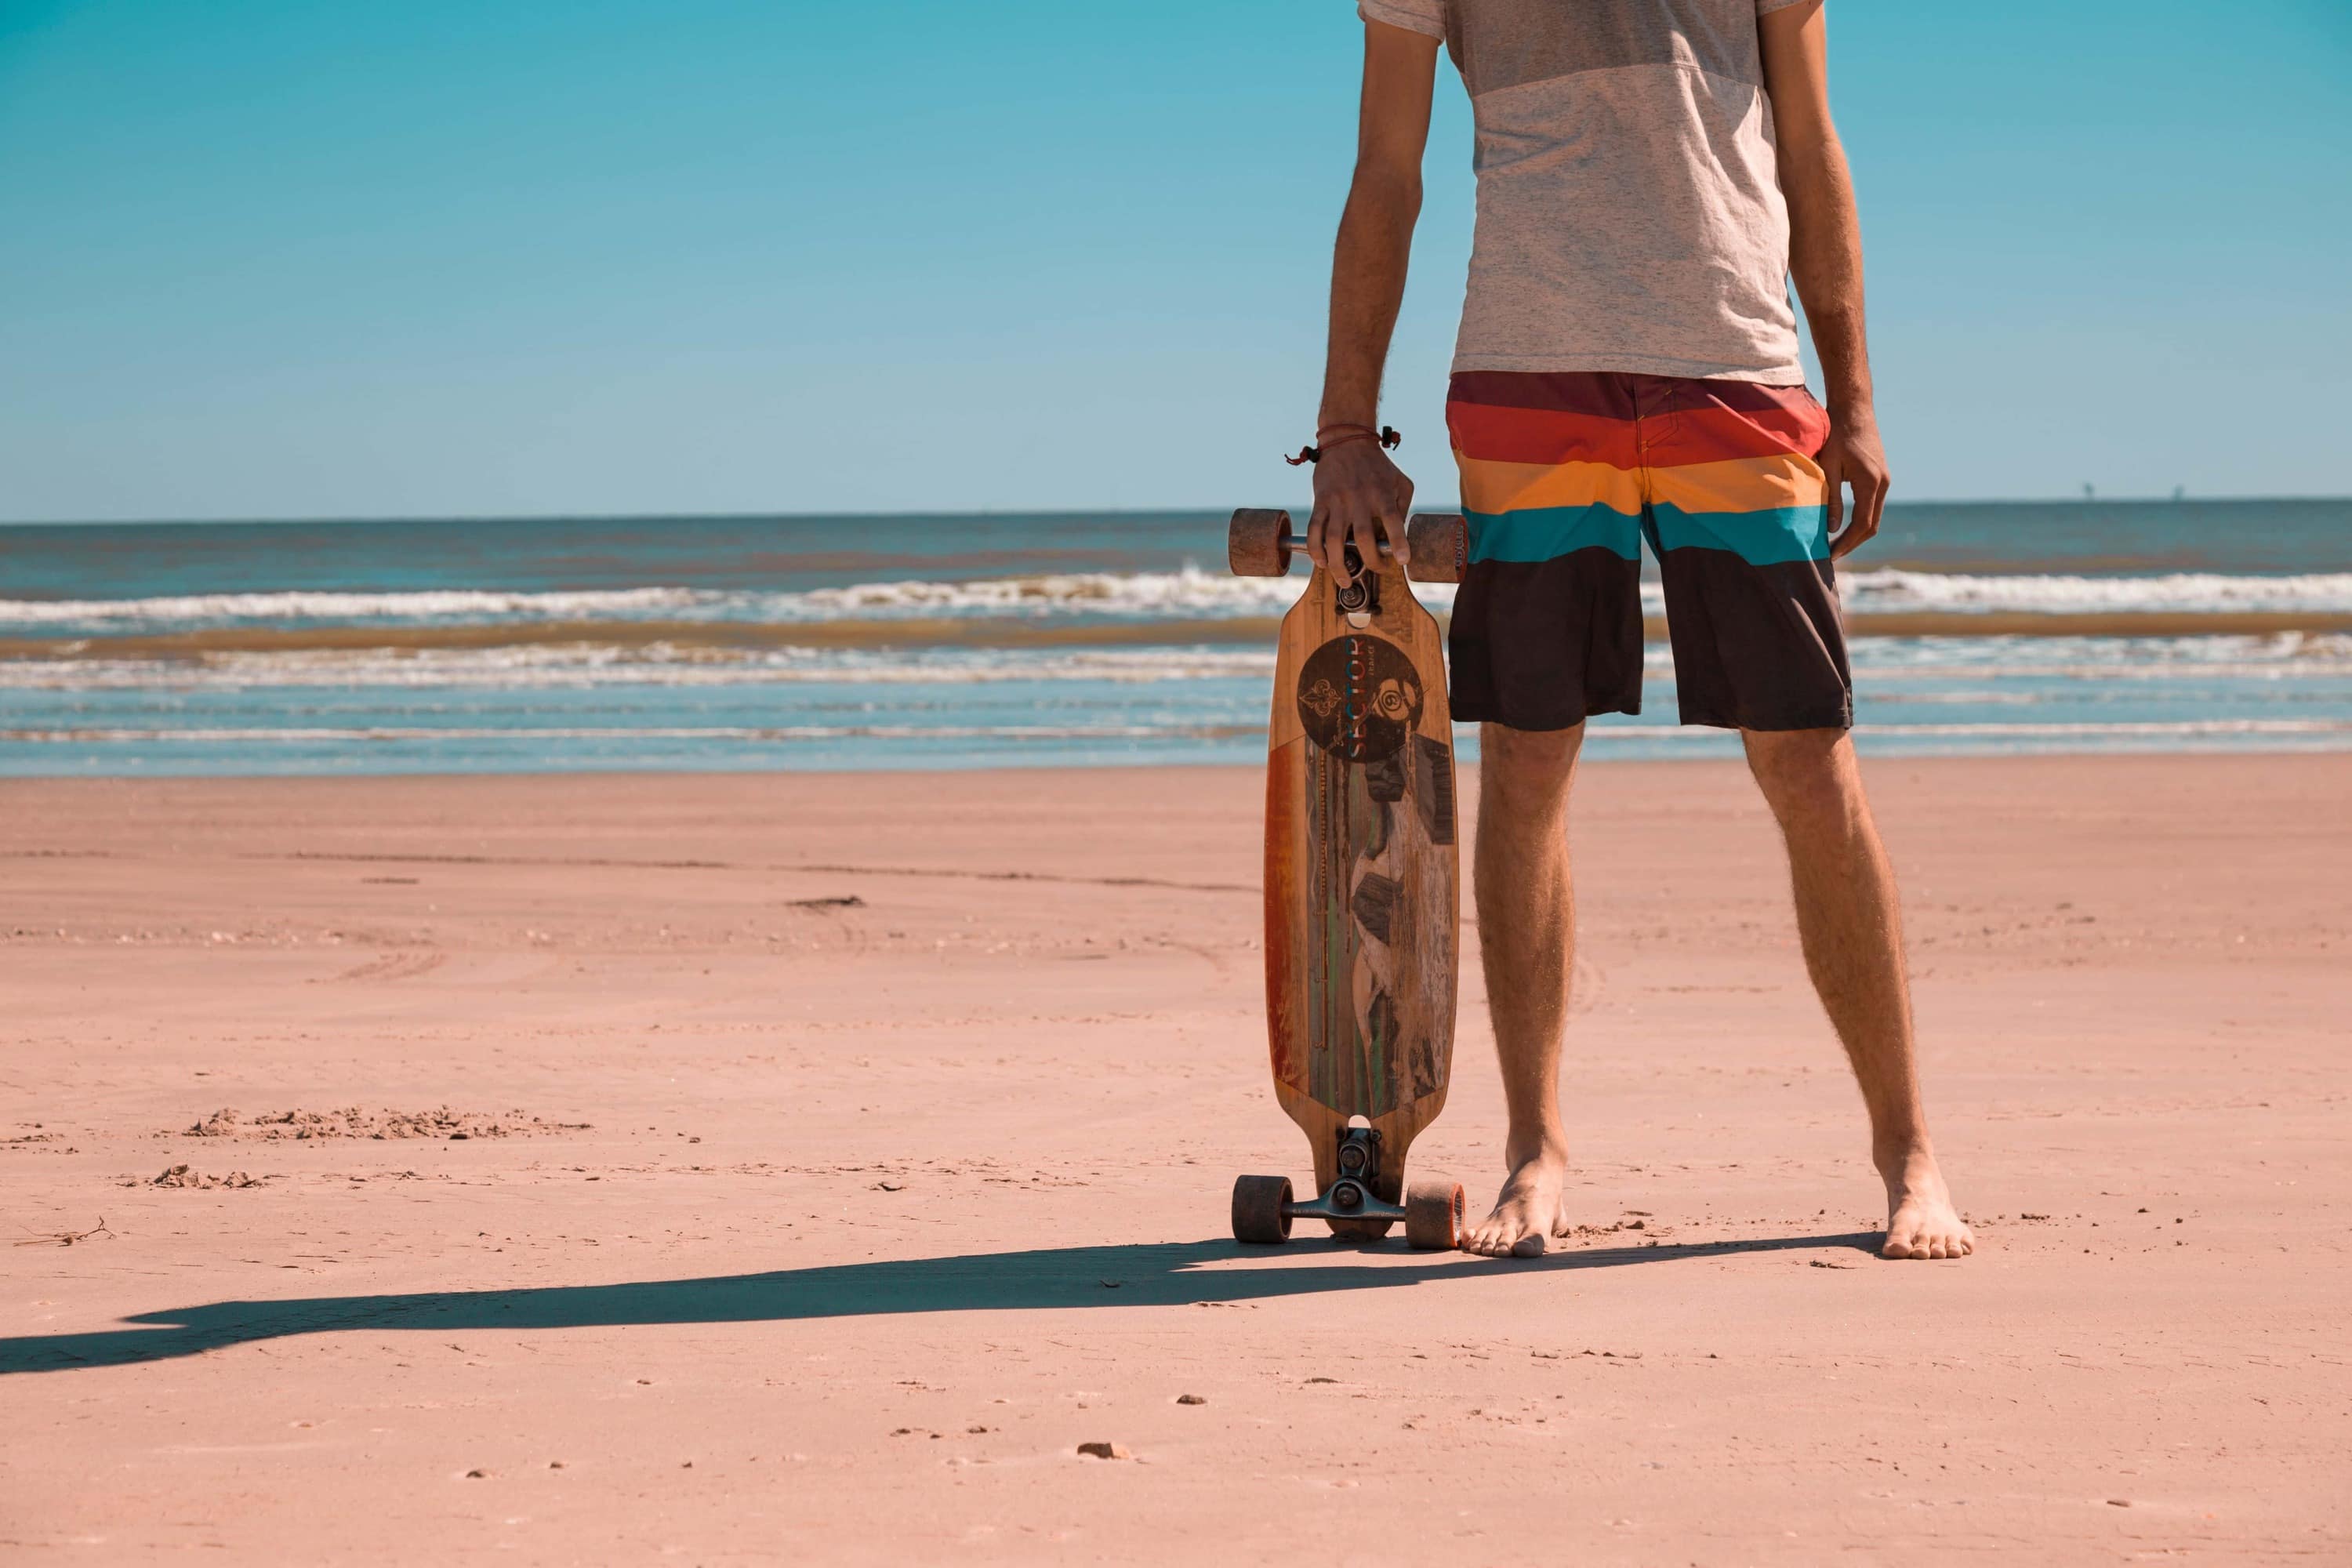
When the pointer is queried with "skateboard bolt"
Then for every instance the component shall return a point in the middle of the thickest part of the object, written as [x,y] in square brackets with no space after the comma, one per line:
[1347,1196]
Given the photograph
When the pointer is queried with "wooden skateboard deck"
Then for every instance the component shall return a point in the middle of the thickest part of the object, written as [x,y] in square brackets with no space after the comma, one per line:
[1362,910]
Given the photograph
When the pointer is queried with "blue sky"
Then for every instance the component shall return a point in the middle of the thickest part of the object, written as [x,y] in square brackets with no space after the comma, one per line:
[278,258]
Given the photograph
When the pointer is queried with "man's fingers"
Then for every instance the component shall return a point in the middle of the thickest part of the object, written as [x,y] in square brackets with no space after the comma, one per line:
[1344,523]
[1863,526]
[1869,505]
[1357,503]
[1878,488]
[1327,537]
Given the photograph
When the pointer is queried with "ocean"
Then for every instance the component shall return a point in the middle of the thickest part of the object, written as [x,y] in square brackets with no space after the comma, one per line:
[1008,639]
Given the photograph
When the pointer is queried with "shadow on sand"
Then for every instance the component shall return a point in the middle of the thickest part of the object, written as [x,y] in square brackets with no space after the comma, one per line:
[1156,1274]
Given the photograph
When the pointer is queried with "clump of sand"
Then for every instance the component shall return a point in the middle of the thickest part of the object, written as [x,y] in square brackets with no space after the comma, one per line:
[183,1176]
[352,1121]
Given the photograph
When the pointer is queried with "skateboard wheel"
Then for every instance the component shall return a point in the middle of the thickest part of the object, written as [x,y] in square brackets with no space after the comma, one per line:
[1257,542]
[1434,1214]
[1259,1203]
[1440,547]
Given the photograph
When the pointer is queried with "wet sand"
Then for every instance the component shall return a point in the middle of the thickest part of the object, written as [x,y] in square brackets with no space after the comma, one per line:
[804,1167]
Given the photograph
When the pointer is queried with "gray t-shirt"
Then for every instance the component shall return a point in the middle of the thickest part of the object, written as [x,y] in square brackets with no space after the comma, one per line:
[1630,216]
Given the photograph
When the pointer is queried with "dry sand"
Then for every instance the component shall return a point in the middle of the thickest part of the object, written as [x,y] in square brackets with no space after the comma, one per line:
[740,1169]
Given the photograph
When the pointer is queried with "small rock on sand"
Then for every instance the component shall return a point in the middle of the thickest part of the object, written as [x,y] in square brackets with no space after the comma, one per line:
[1105,1451]
[1190,1399]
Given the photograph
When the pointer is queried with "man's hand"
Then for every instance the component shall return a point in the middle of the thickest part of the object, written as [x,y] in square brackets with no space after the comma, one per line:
[1359,495]
[1853,456]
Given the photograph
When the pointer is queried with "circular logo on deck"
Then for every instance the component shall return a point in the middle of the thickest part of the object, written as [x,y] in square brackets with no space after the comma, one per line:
[1360,698]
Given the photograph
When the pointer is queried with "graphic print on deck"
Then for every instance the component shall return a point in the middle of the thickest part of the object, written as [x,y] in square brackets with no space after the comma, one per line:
[1361,702]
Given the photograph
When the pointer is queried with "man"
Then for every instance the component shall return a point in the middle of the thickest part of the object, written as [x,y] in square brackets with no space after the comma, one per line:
[1651,173]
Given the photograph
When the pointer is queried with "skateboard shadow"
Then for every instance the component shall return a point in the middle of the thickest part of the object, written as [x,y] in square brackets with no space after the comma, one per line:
[1154,1274]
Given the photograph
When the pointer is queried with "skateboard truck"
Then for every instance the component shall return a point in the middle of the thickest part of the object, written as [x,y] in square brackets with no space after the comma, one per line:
[1352,1196]
[1433,1212]
[1259,542]
[1358,598]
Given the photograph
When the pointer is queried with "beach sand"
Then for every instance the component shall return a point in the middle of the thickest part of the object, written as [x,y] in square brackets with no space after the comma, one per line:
[841,1152]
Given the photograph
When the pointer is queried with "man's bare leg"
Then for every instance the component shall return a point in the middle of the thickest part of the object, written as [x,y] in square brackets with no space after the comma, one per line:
[1527,937]
[1850,921]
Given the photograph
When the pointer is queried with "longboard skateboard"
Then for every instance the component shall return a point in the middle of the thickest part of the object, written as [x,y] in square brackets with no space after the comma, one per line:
[1362,889]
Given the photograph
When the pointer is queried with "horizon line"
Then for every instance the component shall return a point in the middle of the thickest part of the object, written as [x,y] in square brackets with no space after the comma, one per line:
[908,513]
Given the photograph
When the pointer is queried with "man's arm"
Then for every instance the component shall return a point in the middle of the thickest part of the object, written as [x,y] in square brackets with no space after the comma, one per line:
[1825,258]
[1356,485]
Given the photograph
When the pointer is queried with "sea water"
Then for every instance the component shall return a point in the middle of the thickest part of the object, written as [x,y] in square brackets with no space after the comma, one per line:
[1007,639]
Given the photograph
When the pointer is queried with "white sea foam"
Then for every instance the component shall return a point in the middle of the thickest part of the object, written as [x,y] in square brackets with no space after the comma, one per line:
[2282,655]
[2192,593]
[320,605]
[1890,662]
[580,666]
[1157,595]
[1196,592]
[1192,592]
[1189,593]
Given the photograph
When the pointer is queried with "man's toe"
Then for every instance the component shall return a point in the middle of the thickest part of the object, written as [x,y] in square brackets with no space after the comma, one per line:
[1527,1247]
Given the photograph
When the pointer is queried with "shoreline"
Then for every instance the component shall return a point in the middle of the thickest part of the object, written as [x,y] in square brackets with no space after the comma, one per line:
[2157,743]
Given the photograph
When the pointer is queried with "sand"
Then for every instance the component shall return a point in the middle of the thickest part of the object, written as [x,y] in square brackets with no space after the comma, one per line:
[729,1169]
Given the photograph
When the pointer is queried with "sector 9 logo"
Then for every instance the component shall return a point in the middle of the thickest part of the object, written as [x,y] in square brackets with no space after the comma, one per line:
[1360,698]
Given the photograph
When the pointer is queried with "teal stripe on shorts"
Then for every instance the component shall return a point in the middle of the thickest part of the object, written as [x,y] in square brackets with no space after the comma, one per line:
[1772,537]
[1547,532]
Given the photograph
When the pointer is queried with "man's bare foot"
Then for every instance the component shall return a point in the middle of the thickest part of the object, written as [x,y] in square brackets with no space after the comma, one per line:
[1920,1219]
[1532,1204]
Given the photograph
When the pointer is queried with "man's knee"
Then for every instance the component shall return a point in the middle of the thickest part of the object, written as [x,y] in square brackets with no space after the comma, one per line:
[1526,762]
[1807,776]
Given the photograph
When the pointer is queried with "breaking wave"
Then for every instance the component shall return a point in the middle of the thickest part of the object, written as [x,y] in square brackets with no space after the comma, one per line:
[1190,594]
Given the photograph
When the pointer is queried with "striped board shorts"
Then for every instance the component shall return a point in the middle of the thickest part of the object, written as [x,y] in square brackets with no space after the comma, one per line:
[1565,473]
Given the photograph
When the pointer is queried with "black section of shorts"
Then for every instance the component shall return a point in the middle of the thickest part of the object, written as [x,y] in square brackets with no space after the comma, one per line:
[1544,644]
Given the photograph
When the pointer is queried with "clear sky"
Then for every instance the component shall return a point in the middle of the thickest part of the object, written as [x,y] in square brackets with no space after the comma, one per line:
[279,257]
